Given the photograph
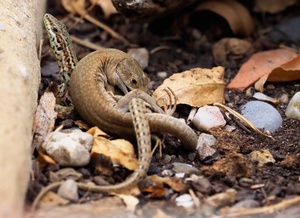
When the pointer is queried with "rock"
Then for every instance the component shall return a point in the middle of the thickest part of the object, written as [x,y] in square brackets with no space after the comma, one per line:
[162,74]
[293,108]
[69,190]
[64,173]
[185,168]
[141,55]
[262,157]
[184,200]
[262,97]
[69,148]
[208,117]
[205,141]
[284,98]
[262,115]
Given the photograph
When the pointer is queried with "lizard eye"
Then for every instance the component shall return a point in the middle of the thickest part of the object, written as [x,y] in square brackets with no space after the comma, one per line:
[133,81]
[55,29]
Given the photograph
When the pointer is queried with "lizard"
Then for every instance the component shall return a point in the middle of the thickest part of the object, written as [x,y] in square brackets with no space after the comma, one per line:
[94,82]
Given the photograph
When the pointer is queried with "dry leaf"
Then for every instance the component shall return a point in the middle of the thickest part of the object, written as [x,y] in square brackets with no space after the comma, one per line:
[222,199]
[119,151]
[281,63]
[288,71]
[51,199]
[237,16]
[107,7]
[272,6]
[155,191]
[130,201]
[68,5]
[175,183]
[231,48]
[45,117]
[196,87]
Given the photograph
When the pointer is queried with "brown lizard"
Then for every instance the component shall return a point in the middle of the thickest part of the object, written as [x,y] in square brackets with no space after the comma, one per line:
[95,82]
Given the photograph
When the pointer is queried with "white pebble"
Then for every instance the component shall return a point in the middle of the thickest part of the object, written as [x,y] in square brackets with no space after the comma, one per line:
[162,74]
[205,141]
[184,200]
[69,190]
[69,148]
[208,117]
[293,108]
[262,97]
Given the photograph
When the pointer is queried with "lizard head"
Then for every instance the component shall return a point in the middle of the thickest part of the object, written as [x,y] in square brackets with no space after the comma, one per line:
[131,76]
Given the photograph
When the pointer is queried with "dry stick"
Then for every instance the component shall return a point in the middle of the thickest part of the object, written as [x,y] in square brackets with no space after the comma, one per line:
[238,212]
[83,13]
[86,44]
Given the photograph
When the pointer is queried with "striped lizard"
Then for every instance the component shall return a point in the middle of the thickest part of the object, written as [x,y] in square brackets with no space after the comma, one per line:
[96,80]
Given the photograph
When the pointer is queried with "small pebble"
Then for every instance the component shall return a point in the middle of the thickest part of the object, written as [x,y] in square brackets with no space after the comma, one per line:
[284,98]
[184,200]
[249,91]
[185,168]
[262,97]
[167,173]
[208,117]
[65,173]
[180,175]
[69,190]
[230,128]
[162,74]
[69,148]
[205,141]
[293,108]
[262,115]
[262,157]
[141,55]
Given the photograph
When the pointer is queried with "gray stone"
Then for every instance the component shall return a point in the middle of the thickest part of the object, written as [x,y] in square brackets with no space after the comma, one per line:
[69,190]
[262,115]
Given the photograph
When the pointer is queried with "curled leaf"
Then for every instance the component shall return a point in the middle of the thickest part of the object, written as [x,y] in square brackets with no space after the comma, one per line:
[277,65]
[196,87]
[119,151]
[237,16]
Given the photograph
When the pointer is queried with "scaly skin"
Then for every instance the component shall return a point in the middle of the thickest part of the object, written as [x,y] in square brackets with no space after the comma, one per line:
[97,82]
[111,67]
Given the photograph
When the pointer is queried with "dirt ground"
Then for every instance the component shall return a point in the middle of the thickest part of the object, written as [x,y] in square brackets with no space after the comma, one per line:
[179,50]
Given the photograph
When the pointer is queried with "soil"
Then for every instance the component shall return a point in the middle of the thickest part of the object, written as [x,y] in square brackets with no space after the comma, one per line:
[180,50]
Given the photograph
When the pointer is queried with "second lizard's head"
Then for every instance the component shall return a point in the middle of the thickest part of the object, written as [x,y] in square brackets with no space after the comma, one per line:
[131,76]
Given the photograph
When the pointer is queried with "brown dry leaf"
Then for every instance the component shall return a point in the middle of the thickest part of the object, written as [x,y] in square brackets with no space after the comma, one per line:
[288,71]
[155,191]
[222,199]
[237,16]
[68,5]
[45,117]
[130,201]
[175,183]
[272,6]
[281,63]
[51,199]
[231,48]
[107,7]
[196,87]
[44,160]
[119,151]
